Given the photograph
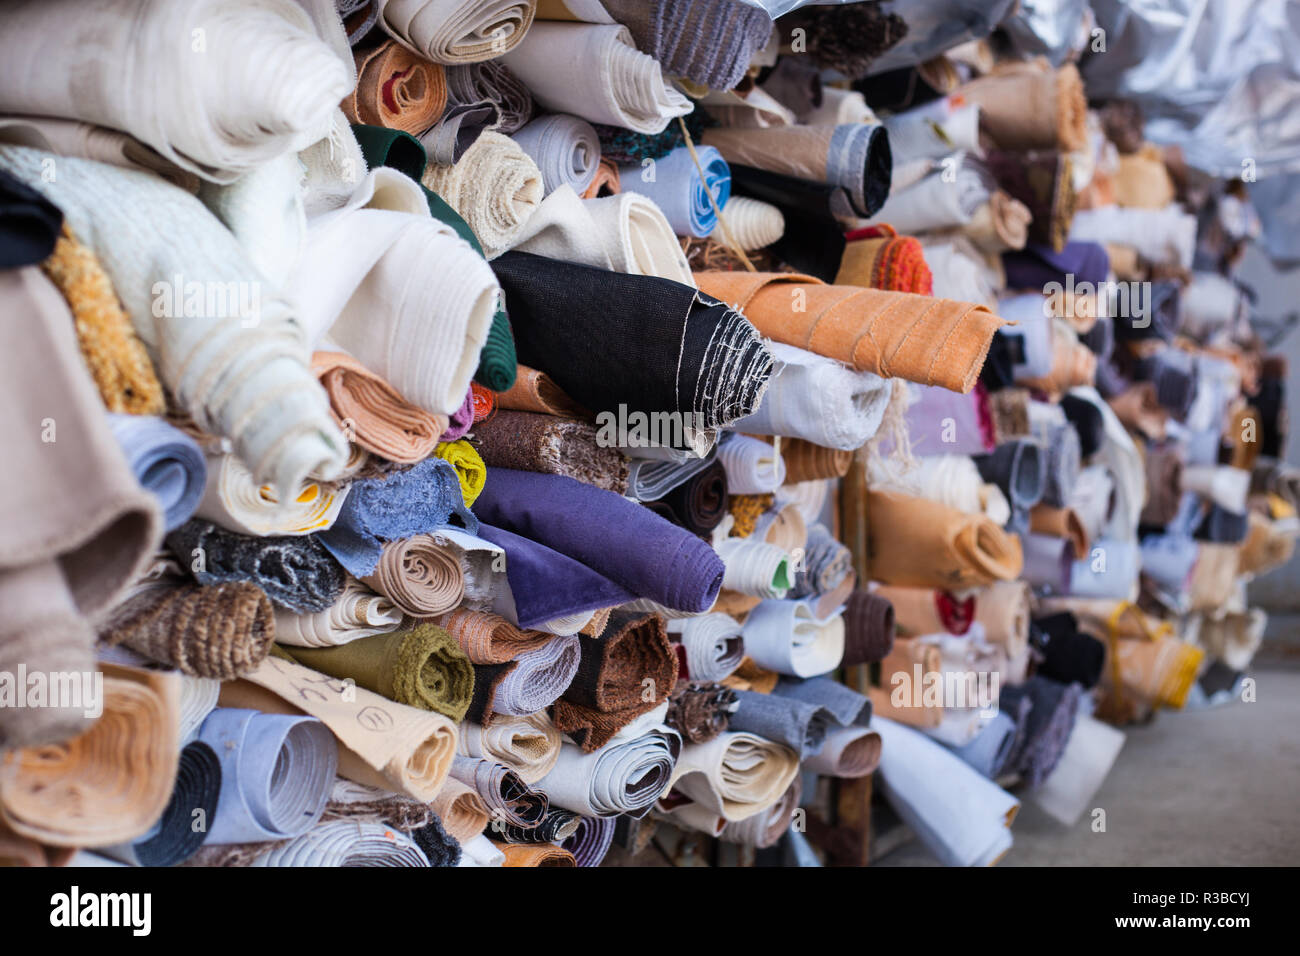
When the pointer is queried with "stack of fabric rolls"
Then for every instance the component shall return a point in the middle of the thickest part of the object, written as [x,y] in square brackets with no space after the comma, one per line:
[514,430]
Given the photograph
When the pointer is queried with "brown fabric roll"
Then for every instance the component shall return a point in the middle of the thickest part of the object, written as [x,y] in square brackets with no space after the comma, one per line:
[1044,182]
[419,575]
[396,89]
[700,710]
[532,441]
[463,813]
[1264,548]
[534,854]
[1010,410]
[868,628]
[393,809]
[1030,106]
[536,391]
[750,676]
[597,623]
[745,511]
[1143,181]
[1139,409]
[606,182]
[373,414]
[629,670]
[489,638]
[1164,470]
[1060,523]
[805,461]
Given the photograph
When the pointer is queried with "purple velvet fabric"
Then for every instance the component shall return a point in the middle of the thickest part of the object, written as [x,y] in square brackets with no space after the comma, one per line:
[620,539]
[1036,265]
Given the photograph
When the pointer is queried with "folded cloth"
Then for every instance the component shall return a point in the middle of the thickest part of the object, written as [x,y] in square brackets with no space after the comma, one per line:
[421,666]
[752,223]
[565,148]
[819,400]
[650,557]
[1053,711]
[734,776]
[238,367]
[650,478]
[373,414]
[675,184]
[967,821]
[785,637]
[1028,106]
[596,72]
[233,500]
[186,109]
[894,334]
[260,802]
[556,826]
[753,466]
[489,638]
[711,643]
[868,628]
[700,710]
[699,503]
[460,810]
[116,357]
[674,33]
[393,507]
[529,441]
[919,543]
[166,461]
[173,838]
[627,671]
[396,89]
[296,573]
[627,775]
[30,233]
[489,82]
[508,798]
[854,157]
[457,31]
[531,745]
[799,725]
[340,843]
[884,261]
[531,682]
[379,742]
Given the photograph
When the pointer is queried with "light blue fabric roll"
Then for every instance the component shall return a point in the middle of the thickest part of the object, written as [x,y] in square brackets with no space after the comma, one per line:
[167,462]
[675,186]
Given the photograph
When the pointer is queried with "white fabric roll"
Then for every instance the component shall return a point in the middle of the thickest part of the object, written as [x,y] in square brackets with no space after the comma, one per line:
[818,399]
[714,647]
[480,851]
[264,210]
[596,72]
[359,612]
[233,500]
[1092,498]
[624,776]
[952,480]
[218,87]
[735,775]
[457,31]
[753,466]
[752,223]
[808,496]
[565,148]
[347,843]
[927,132]
[945,199]
[839,107]
[529,745]
[65,137]
[1088,756]
[755,568]
[785,637]
[1227,487]
[1166,236]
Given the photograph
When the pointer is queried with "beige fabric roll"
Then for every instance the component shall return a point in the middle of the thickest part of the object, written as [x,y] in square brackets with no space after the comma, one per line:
[735,775]
[457,31]
[909,661]
[528,745]
[419,575]
[359,612]
[462,811]
[1003,609]
[1030,106]
[536,391]
[235,501]
[1000,224]
[495,187]
[752,223]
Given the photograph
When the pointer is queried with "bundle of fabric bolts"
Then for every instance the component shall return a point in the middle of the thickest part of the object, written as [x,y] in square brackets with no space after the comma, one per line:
[525,433]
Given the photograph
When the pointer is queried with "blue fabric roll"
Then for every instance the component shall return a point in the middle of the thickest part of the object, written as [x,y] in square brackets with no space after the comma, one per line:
[674,184]
[167,462]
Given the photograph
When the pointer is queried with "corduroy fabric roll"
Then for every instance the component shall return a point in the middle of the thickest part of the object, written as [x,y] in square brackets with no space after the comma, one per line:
[709,362]
[422,667]
[296,573]
[699,503]
[531,745]
[596,72]
[534,854]
[626,776]
[785,637]
[868,628]
[700,710]
[420,575]
[396,89]
[107,785]
[1054,709]
[116,357]
[878,258]
[591,841]
[372,412]
[565,148]
[456,31]
[918,543]
[675,185]
[461,810]
[379,742]
[1027,106]
[345,843]
[734,776]
[529,441]
[894,334]
[509,799]
[233,500]
[711,643]
[166,461]
[753,224]
[626,672]
[190,112]
[531,682]
[854,157]
[489,638]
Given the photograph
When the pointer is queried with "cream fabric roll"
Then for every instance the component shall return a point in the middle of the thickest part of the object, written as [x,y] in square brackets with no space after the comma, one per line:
[765,829]
[457,31]
[783,636]
[735,775]
[596,72]
[933,131]
[347,843]
[627,775]
[753,466]
[819,400]
[418,575]
[937,201]
[839,107]
[714,647]
[952,480]
[565,148]
[755,568]
[1002,610]
[1086,761]
[754,110]
[751,222]
[848,753]
[263,209]
[461,810]
[784,527]
[233,500]
[359,612]
[482,564]
[198,698]
[1121,457]
[218,87]
[528,745]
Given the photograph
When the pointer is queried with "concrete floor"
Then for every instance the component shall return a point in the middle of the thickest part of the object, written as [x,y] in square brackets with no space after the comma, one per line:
[1214,787]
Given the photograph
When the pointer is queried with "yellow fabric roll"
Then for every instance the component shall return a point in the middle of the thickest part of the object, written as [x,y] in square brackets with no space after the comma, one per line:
[469,466]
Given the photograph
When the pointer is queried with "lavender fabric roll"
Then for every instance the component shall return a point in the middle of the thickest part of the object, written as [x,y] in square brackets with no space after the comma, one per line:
[565,148]
[167,462]
[941,422]
[1055,707]
[617,538]
[393,507]
[592,840]
[1049,562]
[1037,265]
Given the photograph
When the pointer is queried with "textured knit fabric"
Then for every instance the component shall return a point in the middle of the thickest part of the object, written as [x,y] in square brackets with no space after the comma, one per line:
[889,261]
[700,710]
[847,38]
[530,441]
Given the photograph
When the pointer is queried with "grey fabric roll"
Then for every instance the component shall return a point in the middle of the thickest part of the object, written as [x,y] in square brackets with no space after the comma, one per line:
[992,746]
[174,838]
[846,706]
[799,725]
[565,148]
[490,83]
[1054,709]
[1063,462]
[649,479]
[1017,468]
[826,563]
[509,799]
[347,843]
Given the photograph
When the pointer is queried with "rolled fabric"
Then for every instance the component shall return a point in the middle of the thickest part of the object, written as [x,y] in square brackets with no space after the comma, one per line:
[529,441]
[946,198]
[926,340]
[533,681]
[596,72]
[270,405]
[535,391]
[1027,106]
[556,826]
[259,802]
[491,83]
[753,466]
[108,784]
[854,157]
[1160,671]
[189,112]
[470,469]
[173,839]
[166,461]
[627,671]
[923,611]
[714,365]
[1111,570]
[460,810]
[1003,611]
[700,710]
[521,854]
[1070,656]
[755,568]
[878,258]
[752,223]
[763,830]
[489,638]
[605,183]
[819,400]
[712,644]
[868,628]
[650,478]
[455,32]
[531,745]
[1061,523]
[422,667]
[344,843]
[826,563]
[800,725]
[358,612]
[565,148]
[1043,181]
[990,749]
[509,799]
[1038,265]
[1090,753]
[419,575]
[1055,707]
[675,185]
[372,412]
[917,543]
[1061,464]
[591,841]
[848,753]
[627,775]
[698,504]
[233,500]
[1049,562]
[637,237]
[396,89]
[366,804]
[673,33]
[734,776]
[784,636]
[461,420]
[654,558]
[296,573]
[807,461]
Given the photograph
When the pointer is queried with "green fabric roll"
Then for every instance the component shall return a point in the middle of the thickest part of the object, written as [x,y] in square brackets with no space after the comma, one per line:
[423,667]
[404,153]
